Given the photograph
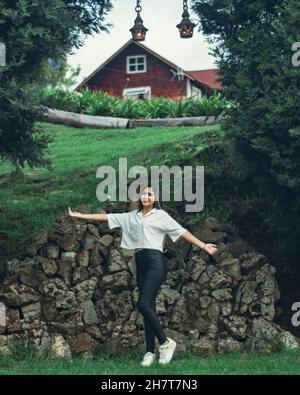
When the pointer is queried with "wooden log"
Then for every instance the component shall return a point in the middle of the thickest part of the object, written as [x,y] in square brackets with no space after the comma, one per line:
[83,120]
[188,121]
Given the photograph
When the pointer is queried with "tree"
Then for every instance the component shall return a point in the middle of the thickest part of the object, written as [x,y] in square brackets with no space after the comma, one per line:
[34,31]
[58,74]
[253,46]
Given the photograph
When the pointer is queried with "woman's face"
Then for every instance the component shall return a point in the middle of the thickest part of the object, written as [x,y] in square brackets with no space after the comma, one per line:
[148,198]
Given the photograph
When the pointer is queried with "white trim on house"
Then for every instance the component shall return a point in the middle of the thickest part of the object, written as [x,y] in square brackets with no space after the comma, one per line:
[188,88]
[135,92]
[196,92]
[136,64]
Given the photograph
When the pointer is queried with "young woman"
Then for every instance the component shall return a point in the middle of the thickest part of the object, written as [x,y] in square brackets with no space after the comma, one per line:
[144,230]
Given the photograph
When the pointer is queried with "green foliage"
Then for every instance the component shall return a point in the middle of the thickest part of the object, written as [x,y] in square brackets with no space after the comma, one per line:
[33,32]
[21,140]
[265,343]
[99,103]
[66,101]
[58,74]
[23,348]
[253,46]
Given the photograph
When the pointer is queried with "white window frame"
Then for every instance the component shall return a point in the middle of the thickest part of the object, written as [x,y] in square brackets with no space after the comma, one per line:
[194,91]
[136,57]
[137,91]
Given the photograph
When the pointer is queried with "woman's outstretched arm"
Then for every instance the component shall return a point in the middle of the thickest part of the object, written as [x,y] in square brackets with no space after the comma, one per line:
[209,248]
[92,217]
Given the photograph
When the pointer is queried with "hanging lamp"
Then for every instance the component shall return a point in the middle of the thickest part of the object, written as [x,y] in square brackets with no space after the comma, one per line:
[186,26]
[138,30]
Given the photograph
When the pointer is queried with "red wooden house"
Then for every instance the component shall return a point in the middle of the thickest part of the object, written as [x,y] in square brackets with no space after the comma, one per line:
[135,71]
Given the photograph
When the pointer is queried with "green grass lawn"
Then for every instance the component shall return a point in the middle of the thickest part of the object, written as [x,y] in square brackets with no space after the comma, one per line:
[33,203]
[233,363]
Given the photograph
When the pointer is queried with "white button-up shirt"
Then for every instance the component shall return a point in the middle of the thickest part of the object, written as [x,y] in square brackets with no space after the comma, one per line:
[148,231]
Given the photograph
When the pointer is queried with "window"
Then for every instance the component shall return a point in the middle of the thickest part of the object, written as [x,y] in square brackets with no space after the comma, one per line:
[136,64]
[196,92]
[137,93]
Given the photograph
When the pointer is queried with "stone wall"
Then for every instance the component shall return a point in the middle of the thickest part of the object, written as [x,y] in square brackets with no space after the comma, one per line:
[75,292]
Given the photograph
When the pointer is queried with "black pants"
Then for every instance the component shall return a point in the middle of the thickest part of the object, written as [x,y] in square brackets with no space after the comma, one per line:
[152,269]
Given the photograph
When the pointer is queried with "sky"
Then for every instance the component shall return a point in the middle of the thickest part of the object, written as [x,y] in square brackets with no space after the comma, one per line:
[161,18]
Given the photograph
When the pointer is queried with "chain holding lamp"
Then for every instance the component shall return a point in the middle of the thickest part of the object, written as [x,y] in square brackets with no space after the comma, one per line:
[186,26]
[138,30]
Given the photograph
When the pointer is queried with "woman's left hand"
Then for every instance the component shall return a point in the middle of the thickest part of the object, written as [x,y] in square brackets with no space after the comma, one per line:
[211,249]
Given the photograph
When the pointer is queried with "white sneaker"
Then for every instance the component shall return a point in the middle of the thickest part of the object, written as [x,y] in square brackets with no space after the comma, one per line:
[166,351]
[149,358]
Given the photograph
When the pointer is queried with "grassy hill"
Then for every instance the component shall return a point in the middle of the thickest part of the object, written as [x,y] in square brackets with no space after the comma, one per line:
[34,202]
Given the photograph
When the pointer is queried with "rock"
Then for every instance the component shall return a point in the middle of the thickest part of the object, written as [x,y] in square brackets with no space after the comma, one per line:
[220,280]
[65,270]
[31,277]
[50,251]
[128,255]
[236,326]
[213,224]
[49,312]
[31,310]
[4,350]
[251,260]
[65,328]
[93,230]
[228,344]
[237,248]
[82,258]
[50,267]
[196,267]
[59,348]
[16,295]
[68,243]
[201,325]
[82,343]
[13,266]
[90,241]
[203,346]
[117,281]
[106,241]
[77,292]
[89,312]
[116,262]
[166,297]
[79,274]
[232,268]
[193,335]
[226,308]
[222,294]
[36,242]
[94,332]
[203,233]
[96,258]
[260,327]
[86,289]
[13,322]
[289,340]
[68,256]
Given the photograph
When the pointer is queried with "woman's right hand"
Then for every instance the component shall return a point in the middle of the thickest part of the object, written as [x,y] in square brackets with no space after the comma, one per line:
[74,214]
